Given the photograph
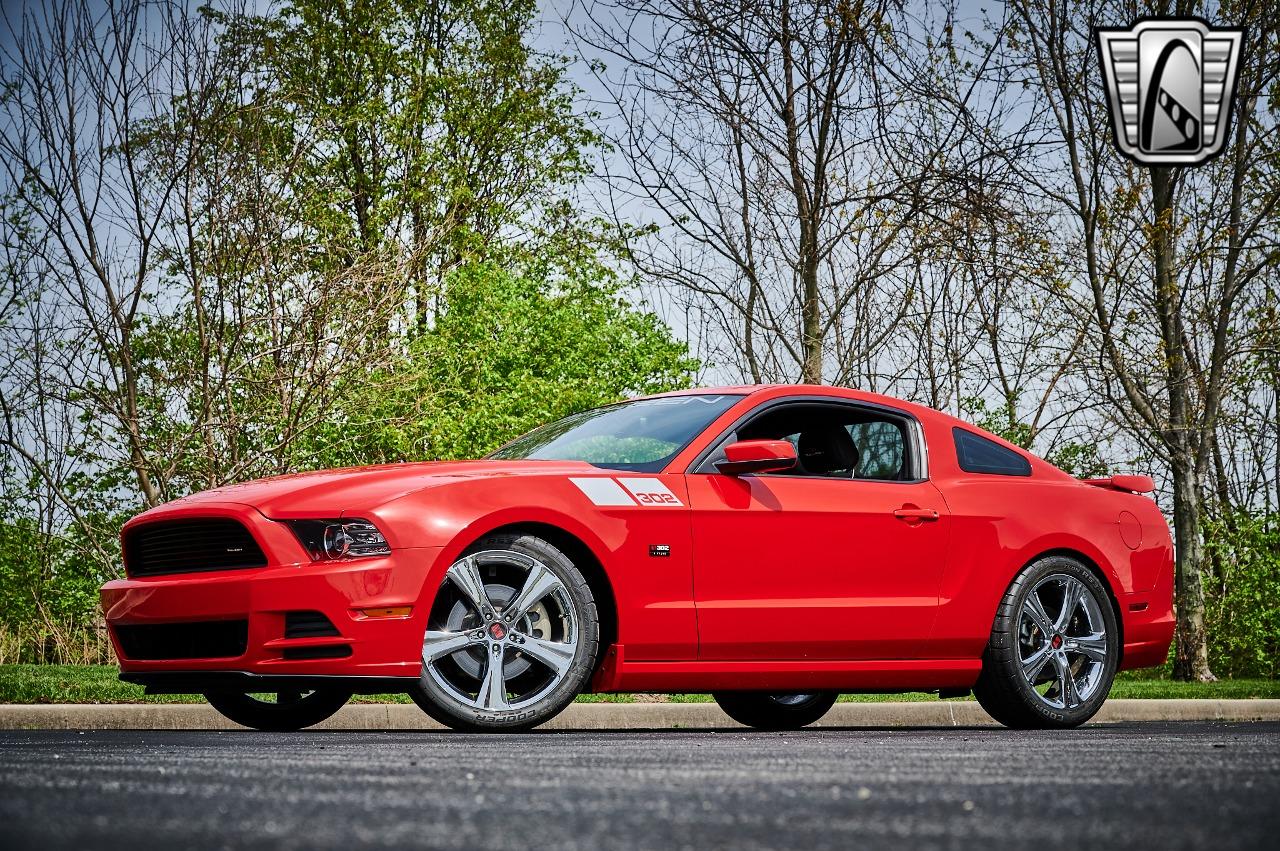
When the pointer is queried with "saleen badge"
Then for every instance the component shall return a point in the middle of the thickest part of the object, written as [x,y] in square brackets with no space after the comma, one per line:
[1170,84]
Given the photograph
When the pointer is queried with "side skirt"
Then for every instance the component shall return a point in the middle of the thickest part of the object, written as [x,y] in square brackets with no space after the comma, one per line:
[617,674]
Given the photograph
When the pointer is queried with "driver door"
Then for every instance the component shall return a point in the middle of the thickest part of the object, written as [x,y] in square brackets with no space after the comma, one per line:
[838,559]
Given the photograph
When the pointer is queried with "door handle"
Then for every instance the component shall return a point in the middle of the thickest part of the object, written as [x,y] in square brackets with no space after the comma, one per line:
[916,515]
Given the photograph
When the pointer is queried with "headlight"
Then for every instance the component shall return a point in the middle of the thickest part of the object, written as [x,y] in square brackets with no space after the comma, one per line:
[329,540]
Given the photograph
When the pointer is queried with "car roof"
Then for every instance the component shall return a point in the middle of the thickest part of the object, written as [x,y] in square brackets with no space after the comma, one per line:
[777,390]
[915,409]
[726,389]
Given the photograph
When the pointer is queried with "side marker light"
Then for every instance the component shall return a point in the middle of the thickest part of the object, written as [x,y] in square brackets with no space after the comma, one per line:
[390,612]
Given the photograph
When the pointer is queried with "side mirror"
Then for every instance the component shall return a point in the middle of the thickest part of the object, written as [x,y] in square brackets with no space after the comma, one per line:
[757,456]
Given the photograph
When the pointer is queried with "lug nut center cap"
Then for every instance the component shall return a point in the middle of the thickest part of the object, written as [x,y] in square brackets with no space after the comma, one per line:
[1056,643]
[498,631]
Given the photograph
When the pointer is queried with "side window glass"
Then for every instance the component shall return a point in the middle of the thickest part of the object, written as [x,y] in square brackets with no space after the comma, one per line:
[976,454]
[881,449]
[835,441]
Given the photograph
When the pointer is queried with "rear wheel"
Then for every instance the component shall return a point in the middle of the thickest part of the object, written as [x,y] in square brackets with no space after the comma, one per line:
[511,637]
[279,711]
[1054,648]
[772,711]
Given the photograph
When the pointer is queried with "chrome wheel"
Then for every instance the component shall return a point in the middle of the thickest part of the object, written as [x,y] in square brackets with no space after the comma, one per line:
[503,632]
[1062,641]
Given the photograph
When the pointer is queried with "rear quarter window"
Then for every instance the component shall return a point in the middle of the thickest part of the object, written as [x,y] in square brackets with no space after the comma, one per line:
[976,454]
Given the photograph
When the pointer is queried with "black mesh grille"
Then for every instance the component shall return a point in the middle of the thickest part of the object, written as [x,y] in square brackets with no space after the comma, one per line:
[195,640]
[308,625]
[190,546]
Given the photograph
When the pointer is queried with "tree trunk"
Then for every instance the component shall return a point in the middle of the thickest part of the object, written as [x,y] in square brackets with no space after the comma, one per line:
[812,324]
[1191,653]
[1191,658]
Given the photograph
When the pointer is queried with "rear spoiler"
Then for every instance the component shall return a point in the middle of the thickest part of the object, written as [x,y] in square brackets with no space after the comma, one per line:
[1133,484]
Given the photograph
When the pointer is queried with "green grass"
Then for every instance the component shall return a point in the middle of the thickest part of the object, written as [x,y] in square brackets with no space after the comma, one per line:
[98,684]
[1221,690]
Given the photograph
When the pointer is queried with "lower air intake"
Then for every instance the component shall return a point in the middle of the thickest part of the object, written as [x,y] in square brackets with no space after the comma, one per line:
[191,640]
[308,625]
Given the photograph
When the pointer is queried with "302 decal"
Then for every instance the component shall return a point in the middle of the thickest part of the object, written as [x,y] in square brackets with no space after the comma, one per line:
[647,492]
[656,498]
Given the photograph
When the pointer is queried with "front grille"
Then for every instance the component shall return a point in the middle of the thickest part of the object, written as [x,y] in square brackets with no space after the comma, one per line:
[190,546]
[192,640]
[308,625]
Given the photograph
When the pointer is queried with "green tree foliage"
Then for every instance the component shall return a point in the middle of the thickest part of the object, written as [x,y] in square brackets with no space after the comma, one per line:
[355,177]
[507,351]
[24,552]
[1242,610]
[348,235]
[433,126]
[48,595]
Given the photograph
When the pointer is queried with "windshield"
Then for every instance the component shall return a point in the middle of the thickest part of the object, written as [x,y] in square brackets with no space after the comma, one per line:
[643,435]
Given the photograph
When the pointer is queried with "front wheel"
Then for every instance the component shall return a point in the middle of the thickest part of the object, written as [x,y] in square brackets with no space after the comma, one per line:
[1054,648]
[769,711]
[511,637]
[279,712]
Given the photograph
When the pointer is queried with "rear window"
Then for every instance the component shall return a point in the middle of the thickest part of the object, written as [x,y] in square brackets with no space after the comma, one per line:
[979,455]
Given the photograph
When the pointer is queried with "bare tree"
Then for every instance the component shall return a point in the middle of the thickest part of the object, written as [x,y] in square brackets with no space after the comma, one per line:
[1163,299]
[171,320]
[756,131]
[831,187]
[78,77]
[912,202]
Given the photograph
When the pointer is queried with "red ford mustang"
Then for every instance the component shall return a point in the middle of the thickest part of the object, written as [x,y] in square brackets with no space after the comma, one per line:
[772,545]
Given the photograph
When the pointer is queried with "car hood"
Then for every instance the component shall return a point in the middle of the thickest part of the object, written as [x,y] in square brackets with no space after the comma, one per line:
[330,492]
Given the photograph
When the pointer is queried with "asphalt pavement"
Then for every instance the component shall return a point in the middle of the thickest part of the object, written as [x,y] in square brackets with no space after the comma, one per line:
[1142,785]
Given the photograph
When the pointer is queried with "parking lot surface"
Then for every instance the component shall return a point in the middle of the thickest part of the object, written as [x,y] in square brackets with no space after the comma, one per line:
[1150,785]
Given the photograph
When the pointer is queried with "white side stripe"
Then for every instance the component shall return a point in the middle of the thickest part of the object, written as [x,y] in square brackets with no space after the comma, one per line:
[602,491]
[650,492]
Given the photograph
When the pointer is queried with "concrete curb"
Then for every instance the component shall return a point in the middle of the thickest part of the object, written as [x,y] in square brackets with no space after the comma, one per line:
[613,716]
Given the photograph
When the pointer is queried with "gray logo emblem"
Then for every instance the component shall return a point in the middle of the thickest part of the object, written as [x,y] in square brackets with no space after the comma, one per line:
[1170,83]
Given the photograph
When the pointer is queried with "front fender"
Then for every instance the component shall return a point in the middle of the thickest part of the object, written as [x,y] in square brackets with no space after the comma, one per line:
[654,597]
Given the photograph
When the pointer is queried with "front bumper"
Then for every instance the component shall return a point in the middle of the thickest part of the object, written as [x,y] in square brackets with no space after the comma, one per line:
[198,682]
[373,647]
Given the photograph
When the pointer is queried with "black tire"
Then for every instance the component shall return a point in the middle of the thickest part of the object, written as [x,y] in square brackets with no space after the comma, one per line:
[771,711]
[1003,690]
[291,711]
[438,699]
